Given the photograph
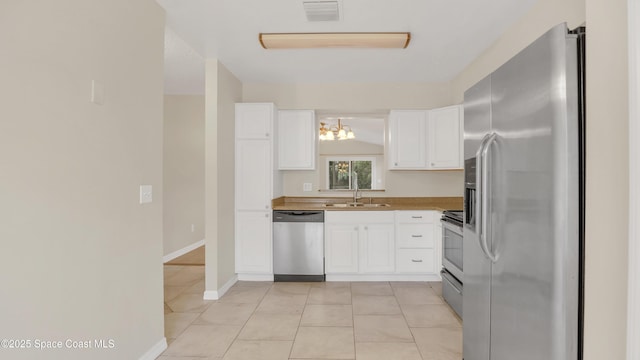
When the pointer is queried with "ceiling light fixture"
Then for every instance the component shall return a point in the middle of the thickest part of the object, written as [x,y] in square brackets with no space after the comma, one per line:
[384,40]
[336,131]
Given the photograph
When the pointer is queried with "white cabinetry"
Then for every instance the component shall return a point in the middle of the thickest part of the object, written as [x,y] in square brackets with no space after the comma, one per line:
[297,140]
[256,184]
[445,138]
[253,242]
[341,247]
[416,243]
[359,242]
[378,248]
[425,139]
[407,139]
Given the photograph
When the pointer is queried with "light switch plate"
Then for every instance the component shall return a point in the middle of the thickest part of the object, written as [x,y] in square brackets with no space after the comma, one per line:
[306,187]
[97,92]
[146,194]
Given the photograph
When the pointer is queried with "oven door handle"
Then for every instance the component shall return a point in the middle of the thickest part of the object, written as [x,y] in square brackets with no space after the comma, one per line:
[453,286]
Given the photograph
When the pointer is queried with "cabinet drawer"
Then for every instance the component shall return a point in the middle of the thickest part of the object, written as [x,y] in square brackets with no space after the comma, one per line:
[415,217]
[415,261]
[415,236]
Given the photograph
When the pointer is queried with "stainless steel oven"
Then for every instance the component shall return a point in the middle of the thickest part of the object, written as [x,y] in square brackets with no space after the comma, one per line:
[452,244]
[452,266]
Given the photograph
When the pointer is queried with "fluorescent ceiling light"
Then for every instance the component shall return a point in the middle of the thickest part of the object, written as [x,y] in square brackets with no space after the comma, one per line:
[384,40]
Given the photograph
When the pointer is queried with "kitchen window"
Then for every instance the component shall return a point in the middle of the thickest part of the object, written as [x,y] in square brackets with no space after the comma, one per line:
[340,172]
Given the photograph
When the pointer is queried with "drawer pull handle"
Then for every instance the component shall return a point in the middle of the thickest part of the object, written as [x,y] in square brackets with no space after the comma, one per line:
[416,217]
[416,236]
[414,260]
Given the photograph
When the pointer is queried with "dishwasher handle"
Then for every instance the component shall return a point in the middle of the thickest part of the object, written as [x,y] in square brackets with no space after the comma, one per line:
[298,216]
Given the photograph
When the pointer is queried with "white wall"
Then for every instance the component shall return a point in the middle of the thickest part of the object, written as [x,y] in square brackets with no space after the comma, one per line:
[229,93]
[607,180]
[81,259]
[375,97]
[183,155]
[223,90]
[607,153]
[542,16]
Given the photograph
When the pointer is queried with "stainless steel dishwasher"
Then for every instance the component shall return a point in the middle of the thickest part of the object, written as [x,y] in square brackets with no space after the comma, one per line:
[298,245]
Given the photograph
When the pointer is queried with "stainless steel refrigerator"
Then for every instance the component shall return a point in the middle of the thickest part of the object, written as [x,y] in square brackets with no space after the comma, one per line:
[523,231]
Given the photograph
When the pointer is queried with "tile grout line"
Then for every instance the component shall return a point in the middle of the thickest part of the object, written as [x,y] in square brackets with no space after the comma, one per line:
[299,322]
[175,312]
[245,322]
[407,323]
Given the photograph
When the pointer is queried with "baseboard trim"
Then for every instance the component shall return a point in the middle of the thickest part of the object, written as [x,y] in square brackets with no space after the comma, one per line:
[156,350]
[217,294]
[182,251]
[383,277]
[255,277]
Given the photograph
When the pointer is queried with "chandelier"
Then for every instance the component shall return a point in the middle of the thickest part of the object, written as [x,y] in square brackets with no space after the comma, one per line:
[339,131]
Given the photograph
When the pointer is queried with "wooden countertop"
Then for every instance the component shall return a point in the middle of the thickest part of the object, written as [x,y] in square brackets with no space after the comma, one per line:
[395,203]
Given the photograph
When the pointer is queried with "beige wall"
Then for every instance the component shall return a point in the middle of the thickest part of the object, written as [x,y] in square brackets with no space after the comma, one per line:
[223,90]
[81,258]
[229,93]
[350,97]
[183,155]
[607,153]
[607,180]
[542,16]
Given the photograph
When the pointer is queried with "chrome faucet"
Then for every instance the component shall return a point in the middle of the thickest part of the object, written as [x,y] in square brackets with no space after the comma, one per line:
[355,187]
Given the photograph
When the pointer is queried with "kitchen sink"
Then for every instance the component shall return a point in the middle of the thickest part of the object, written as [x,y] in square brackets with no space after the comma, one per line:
[344,205]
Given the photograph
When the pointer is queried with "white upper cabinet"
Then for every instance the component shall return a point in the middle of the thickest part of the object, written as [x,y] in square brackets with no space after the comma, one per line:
[254,120]
[297,140]
[407,140]
[445,140]
[425,139]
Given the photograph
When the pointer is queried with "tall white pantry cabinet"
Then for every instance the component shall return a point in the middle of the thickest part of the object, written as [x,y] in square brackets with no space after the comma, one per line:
[257,182]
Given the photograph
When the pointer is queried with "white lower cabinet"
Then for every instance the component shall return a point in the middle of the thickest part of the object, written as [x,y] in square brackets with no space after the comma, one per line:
[414,261]
[417,242]
[341,248]
[382,245]
[378,248]
[359,242]
[253,242]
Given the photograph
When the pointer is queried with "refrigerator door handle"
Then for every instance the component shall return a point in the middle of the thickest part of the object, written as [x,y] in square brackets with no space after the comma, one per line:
[478,200]
[485,197]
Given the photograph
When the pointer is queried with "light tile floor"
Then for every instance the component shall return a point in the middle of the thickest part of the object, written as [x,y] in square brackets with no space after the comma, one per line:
[332,320]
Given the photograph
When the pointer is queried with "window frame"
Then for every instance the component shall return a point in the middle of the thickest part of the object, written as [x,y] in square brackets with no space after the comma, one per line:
[350,159]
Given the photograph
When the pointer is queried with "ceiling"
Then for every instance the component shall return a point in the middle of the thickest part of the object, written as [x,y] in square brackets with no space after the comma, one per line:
[446,35]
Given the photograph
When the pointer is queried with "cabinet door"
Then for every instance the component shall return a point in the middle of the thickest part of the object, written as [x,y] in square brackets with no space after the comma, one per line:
[445,138]
[253,175]
[254,120]
[378,248]
[341,253]
[296,140]
[253,242]
[408,139]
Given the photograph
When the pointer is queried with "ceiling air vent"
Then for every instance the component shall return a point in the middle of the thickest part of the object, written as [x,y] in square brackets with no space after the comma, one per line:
[321,10]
